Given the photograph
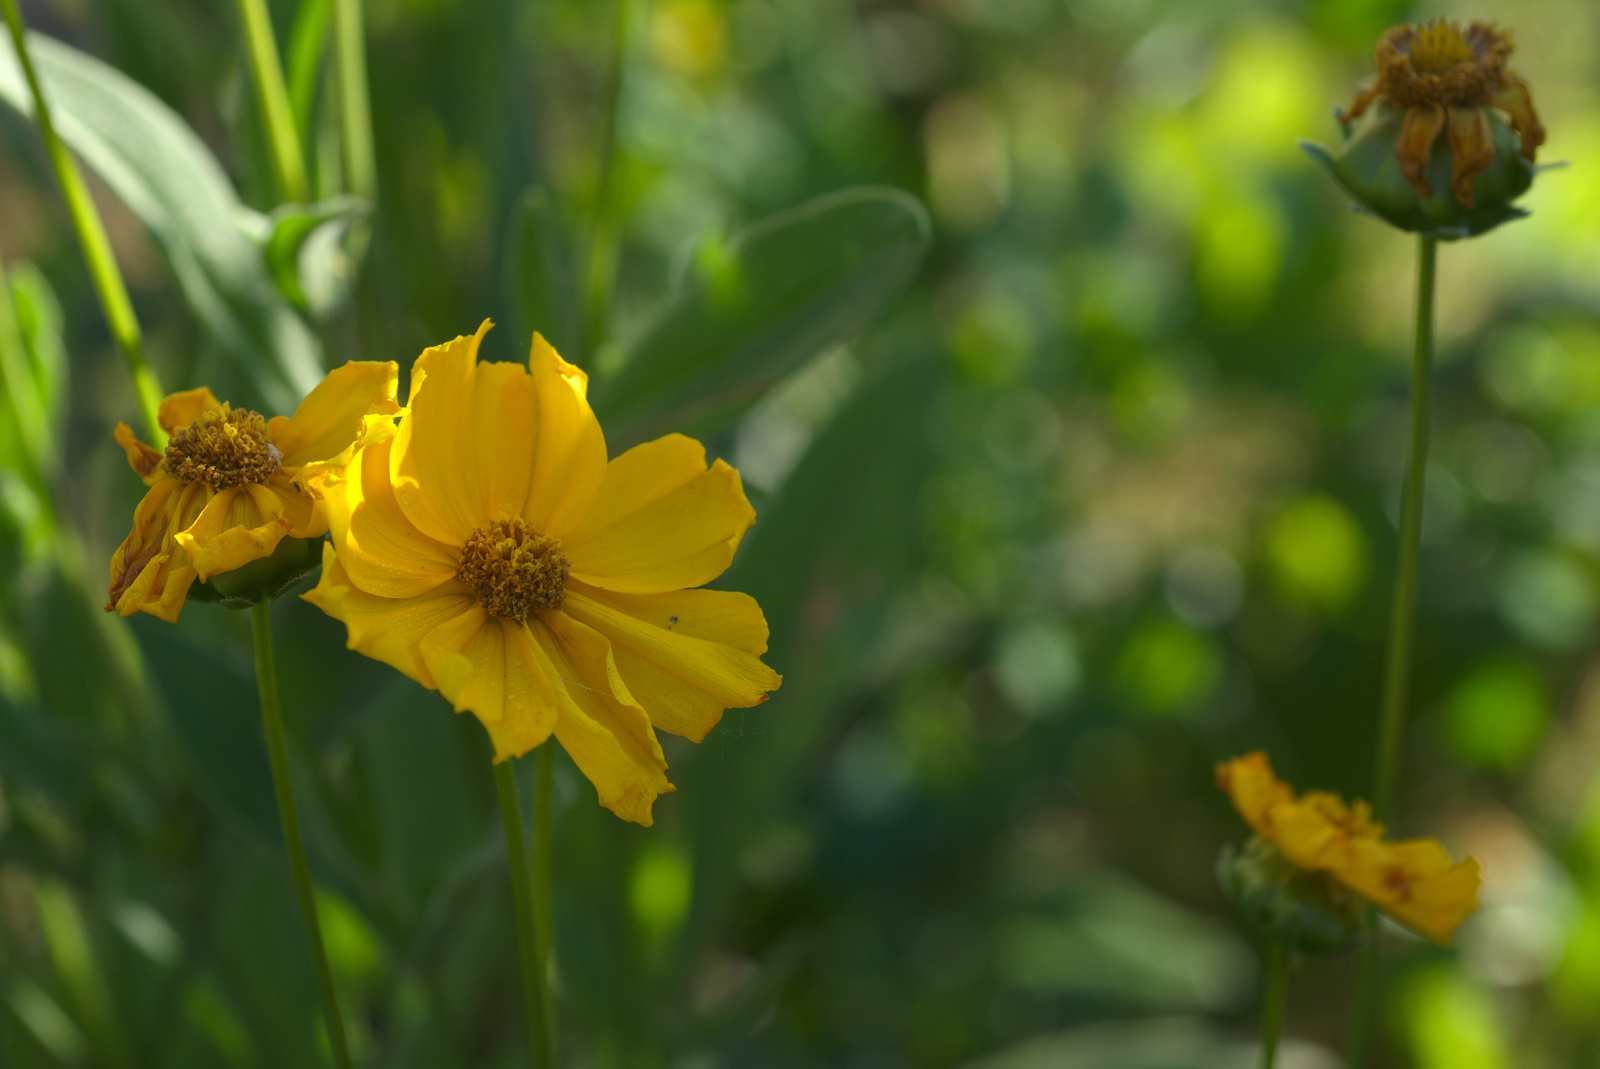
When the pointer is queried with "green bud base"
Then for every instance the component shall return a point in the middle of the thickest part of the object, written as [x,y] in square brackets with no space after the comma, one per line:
[262,581]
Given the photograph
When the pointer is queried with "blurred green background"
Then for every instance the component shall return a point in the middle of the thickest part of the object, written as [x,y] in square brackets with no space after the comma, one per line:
[1069,485]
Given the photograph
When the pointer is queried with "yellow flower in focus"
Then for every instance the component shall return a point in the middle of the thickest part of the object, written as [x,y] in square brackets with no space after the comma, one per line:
[490,552]
[227,489]
[1444,80]
[1412,880]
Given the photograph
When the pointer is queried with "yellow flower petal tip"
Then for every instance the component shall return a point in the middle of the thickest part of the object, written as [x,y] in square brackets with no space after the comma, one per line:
[226,491]
[1412,880]
[489,550]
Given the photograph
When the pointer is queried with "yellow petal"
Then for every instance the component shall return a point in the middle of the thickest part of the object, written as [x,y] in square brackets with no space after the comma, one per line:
[1250,783]
[608,739]
[650,537]
[732,676]
[161,584]
[381,549]
[717,616]
[532,702]
[239,525]
[488,666]
[334,412]
[499,426]
[1414,882]
[387,629]
[433,465]
[144,460]
[301,511]
[569,451]
[178,410]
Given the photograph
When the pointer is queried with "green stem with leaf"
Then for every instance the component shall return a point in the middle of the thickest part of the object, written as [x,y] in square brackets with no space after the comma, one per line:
[91,231]
[283,787]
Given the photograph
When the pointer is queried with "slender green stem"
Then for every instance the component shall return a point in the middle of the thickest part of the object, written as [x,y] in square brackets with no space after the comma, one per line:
[601,273]
[543,878]
[355,111]
[1403,618]
[535,981]
[287,159]
[1274,996]
[283,786]
[1402,632]
[91,230]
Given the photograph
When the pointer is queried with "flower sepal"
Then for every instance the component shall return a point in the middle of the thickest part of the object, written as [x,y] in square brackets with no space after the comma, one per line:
[1284,903]
[1366,166]
[264,579]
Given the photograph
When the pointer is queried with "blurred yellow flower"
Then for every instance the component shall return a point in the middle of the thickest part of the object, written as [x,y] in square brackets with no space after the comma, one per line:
[1444,80]
[1411,880]
[688,37]
[227,489]
[490,552]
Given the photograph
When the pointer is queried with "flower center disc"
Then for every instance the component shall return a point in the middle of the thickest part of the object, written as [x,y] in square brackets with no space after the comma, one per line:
[514,570]
[1438,47]
[227,448]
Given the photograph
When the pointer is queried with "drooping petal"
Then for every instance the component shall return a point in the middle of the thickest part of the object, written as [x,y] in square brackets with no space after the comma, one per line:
[387,629]
[152,571]
[1517,100]
[144,460]
[433,465]
[1359,106]
[722,617]
[490,667]
[731,676]
[1418,131]
[382,550]
[1471,151]
[239,525]
[608,738]
[334,412]
[301,510]
[1254,790]
[569,451]
[178,410]
[675,530]
[1415,882]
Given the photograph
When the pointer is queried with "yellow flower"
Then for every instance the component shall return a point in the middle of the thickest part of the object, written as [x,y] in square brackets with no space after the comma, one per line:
[490,552]
[1445,81]
[227,489]
[1412,880]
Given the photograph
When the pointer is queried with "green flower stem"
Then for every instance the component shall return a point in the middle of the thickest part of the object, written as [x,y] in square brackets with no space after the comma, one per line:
[16,379]
[1274,996]
[1403,618]
[287,159]
[355,110]
[108,283]
[1402,632]
[542,880]
[283,786]
[535,980]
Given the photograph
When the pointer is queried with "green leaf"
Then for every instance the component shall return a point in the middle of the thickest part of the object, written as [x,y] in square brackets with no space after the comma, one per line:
[167,177]
[755,309]
[304,254]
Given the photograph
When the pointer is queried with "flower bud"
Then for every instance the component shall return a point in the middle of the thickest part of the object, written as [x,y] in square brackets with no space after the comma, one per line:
[1302,909]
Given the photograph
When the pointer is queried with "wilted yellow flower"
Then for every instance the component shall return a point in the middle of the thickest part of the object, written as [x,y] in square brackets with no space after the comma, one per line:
[1439,80]
[1412,880]
[227,491]
[490,552]
[1444,81]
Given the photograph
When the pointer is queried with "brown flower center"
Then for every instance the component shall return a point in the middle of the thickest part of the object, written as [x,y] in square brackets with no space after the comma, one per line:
[1440,65]
[514,570]
[227,448]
